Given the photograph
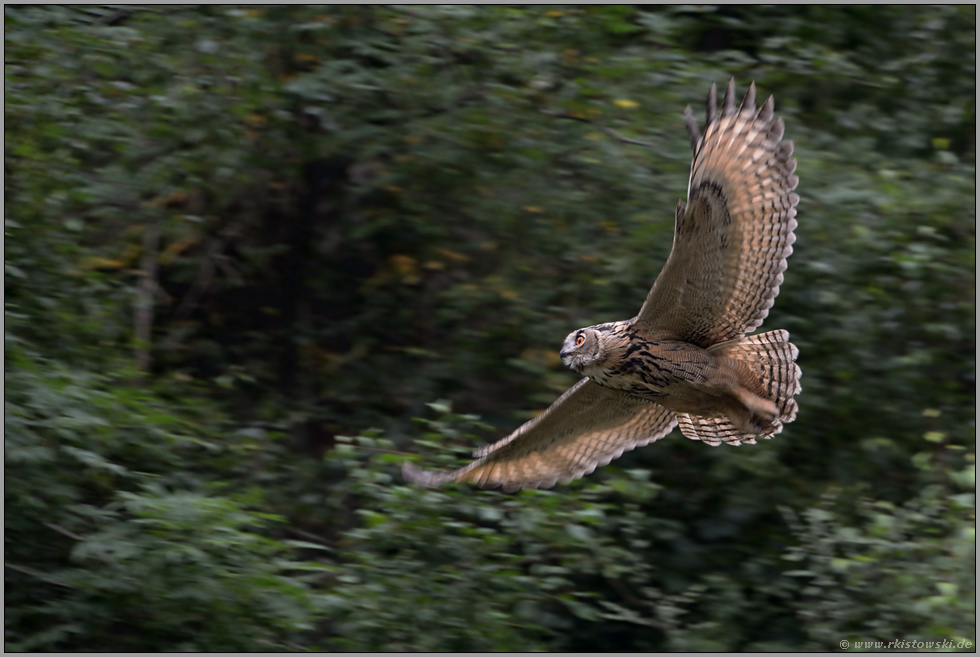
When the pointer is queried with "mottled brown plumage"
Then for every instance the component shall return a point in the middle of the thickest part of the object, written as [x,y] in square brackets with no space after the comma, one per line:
[684,359]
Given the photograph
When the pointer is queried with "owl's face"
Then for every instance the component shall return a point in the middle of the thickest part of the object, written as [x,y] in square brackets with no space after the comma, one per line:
[582,348]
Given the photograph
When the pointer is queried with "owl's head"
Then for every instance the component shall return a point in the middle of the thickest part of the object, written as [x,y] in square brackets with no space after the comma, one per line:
[583,348]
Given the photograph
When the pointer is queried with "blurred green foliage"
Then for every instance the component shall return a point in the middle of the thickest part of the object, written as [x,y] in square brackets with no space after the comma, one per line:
[361,210]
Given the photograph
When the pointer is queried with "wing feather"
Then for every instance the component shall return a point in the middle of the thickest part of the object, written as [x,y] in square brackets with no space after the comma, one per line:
[587,427]
[718,429]
[735,232]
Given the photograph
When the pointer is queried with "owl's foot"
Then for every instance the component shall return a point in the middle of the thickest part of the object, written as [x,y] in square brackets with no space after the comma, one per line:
[756,413]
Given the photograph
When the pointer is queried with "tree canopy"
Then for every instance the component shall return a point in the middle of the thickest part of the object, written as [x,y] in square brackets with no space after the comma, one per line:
[256,257]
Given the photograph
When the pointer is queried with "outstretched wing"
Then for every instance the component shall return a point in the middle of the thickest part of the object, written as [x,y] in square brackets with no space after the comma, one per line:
[732,237]
[587,427]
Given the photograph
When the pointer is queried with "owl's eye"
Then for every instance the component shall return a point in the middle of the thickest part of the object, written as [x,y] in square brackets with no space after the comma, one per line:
[579,340]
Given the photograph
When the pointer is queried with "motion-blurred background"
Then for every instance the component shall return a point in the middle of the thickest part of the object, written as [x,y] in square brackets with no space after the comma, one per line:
[257,257]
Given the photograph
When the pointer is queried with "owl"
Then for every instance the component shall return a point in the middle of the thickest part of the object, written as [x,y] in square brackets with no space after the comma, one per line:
[685,360]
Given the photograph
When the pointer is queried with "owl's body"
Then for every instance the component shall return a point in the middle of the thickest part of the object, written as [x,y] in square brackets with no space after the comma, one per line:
[680,376]
[663,371]
[685,359]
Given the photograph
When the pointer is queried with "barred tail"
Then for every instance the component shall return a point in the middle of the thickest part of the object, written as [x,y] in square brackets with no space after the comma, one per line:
[771,358]
[767,361]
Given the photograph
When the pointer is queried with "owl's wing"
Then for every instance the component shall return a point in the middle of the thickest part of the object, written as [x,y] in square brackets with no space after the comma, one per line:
[732,237]
[587,427]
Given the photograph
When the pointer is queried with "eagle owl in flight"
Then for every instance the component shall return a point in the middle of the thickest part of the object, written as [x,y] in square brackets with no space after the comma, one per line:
[684,359]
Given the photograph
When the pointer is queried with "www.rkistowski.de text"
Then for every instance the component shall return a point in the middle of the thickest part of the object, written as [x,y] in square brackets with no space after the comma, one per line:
[907,644]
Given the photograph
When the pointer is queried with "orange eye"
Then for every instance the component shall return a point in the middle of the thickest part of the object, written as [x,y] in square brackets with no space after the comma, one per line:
[579,340]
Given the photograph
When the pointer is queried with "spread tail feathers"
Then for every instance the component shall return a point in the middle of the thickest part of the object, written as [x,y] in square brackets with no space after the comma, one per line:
[767,362]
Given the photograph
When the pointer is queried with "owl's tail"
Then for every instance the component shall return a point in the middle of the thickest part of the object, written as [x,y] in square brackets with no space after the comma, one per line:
[767,366]
[771,359]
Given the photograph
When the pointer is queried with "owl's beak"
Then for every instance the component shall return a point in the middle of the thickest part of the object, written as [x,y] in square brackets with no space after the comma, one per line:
[569,359]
